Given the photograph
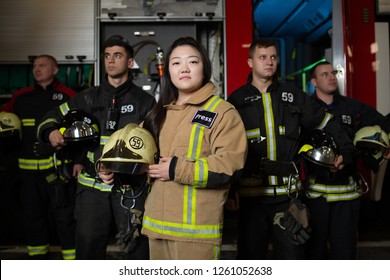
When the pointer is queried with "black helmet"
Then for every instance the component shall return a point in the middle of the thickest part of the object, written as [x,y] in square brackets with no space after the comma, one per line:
[320,148]
[77,126]
[371,142]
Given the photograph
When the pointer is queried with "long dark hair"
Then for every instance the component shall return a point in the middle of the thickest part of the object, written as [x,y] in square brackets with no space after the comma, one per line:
[169,92]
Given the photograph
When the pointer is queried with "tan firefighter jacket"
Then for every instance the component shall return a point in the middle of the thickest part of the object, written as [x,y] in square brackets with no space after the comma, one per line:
[207,136]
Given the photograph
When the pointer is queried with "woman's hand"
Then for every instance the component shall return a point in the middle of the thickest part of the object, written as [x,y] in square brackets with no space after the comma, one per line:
[160,171]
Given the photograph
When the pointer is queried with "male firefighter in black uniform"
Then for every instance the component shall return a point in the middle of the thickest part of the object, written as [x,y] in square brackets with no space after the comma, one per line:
[333,198]
[40,186]
[274,115]
[115,103]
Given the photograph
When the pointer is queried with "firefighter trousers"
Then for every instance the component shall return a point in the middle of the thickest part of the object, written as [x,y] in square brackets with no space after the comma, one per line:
[95,212]
[256,231]
[334,224]
[42,219]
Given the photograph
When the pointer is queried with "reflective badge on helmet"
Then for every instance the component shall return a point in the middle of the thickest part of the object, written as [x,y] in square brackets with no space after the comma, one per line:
[204,118]
[136,142]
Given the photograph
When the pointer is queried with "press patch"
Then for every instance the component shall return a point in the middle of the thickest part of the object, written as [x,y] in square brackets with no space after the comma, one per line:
[204,118]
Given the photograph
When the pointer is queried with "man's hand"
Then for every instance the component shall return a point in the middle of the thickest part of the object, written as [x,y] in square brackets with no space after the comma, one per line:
[106,177]
[386,154]
[338,165]
[77,169]
[56,139]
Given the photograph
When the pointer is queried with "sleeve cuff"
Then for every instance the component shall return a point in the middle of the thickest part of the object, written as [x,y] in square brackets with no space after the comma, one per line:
[172,168]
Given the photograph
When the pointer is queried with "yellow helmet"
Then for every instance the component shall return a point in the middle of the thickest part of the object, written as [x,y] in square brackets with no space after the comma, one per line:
[10,125]
[371,142]
[129,150]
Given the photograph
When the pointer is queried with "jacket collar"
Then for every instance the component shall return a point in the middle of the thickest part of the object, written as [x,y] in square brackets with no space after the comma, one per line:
[122,89]
[53,84]
[200,96]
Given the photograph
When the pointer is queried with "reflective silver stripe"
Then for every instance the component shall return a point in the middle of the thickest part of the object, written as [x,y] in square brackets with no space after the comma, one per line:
[64,108]
[103,140]
[37,164]
[267,190]
[201,173]
[252,133]
[91,156]
[38,250]
[51,178]
[270,132]
[184,230]
[69,254]
[335,197]
[334,192]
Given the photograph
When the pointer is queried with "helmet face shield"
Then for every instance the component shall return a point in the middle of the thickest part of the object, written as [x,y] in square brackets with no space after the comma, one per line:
[79,131]
[122,167]
[322,155]
[320,148]
[78,126]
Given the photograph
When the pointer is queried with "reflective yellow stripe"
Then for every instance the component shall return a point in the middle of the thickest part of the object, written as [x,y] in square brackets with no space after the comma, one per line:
[200,166]
[28,122]
[270,132]
[252,133]
[268,190]
[69,254]
[217,252]
[38,250]
[188,228]
[85,180]
[182,230]
[335,192]
[325,121]
[52,120]
[51,178]
[103,139]
[64,108]
[189,204]
[201,172]
[91,156]
[37,164]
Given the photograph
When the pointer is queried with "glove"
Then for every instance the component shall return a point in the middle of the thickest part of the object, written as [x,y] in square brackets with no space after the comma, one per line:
[295,222]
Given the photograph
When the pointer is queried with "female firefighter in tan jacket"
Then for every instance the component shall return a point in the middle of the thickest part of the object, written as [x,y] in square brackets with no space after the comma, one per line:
[202,146]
